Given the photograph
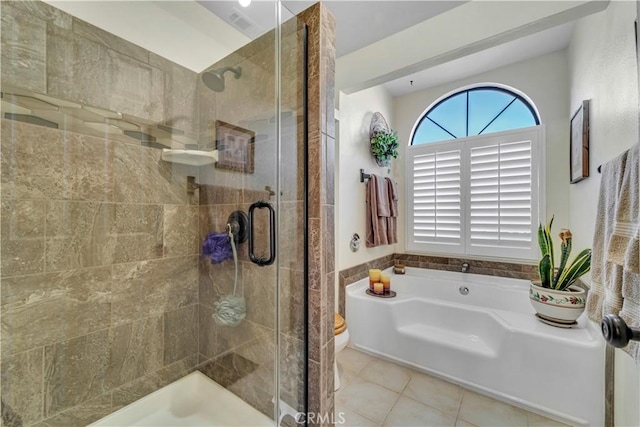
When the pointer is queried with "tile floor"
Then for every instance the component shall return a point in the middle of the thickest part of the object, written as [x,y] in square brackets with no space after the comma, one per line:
[387,394]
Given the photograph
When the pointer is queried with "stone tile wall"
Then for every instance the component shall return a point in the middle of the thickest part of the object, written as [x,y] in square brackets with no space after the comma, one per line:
[242,358]
[105,299]
[321,245]
[99,302]
[99,237]
[489,268]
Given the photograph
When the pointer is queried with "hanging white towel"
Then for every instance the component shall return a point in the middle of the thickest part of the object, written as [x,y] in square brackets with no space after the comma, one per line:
[615,272]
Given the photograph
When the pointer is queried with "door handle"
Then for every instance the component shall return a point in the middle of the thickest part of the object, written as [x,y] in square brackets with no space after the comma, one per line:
[261,261]
[616,332]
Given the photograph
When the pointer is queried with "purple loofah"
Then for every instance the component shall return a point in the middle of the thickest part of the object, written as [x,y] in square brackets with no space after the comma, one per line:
[217,246]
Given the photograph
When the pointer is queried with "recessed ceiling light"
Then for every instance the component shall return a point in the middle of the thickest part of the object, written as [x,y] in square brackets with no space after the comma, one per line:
[244,3]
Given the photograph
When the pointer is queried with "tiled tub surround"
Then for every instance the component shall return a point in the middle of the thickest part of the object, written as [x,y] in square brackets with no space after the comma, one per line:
[100,275]
[488,268]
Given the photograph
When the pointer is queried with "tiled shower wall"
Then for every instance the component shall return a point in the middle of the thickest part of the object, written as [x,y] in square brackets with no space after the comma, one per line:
[104,299]
[242,358]
[321,245]
[99,236]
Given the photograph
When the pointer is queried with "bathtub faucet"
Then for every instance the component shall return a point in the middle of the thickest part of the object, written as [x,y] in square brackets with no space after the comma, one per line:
[465,267]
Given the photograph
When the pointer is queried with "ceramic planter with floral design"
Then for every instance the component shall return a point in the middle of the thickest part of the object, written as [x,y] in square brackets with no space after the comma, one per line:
[558,306]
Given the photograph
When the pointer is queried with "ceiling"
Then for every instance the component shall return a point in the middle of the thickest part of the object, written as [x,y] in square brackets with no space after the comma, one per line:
[362,22]
[543,42]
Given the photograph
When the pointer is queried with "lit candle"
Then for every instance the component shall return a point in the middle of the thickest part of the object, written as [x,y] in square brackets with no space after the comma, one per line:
[374,277]
[386,282]
[378,288]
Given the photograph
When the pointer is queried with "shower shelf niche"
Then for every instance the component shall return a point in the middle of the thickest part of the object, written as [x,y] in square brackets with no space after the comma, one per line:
[189,157]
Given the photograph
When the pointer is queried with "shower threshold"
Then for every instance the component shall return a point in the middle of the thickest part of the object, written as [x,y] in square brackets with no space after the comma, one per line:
[194,400]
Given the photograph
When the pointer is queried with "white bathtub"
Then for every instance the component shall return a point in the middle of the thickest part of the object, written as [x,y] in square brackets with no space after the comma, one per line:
[488,340]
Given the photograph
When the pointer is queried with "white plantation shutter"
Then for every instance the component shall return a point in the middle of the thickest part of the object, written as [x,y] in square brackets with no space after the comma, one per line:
[435,186]
[476,196]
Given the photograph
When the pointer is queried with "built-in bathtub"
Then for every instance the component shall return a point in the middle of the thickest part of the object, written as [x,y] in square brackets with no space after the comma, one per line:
[488,340]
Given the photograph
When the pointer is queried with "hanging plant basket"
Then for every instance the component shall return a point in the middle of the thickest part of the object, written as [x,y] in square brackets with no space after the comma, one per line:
[384,141]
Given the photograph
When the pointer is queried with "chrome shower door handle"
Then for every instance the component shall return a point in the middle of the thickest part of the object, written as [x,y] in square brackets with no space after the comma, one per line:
[261,261]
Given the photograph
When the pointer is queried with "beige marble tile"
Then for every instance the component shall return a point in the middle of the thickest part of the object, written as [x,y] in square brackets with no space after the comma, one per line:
[180,99]
[22,379]
[23,48]
[292,307]
[135,350]
[368,399]
[347,417]
[68,166]
[180,334]
[151,288]
[484,411]
[206,332]
[140,176]
[75,371]
[81,415]
[463,423]
[354,360]
[102,77]
[43,309]
[108,40]
[387,374]
[22,237]
[181,230]
[407,412]
[232,337]
[42,10]
[434,392]
[260,293]
[536,420]
[86,234]
[149,383]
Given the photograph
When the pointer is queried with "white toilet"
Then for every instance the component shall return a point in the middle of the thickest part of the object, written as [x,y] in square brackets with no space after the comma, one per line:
[341,340]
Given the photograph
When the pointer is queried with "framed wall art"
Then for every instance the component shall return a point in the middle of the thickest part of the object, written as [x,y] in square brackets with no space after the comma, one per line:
[236,147]
[579,143]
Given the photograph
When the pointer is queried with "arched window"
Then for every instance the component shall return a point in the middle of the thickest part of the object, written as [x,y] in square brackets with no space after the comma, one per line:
[475,111]
[475,175]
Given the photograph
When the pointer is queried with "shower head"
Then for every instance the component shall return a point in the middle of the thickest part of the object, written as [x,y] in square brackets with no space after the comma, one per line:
[214,79]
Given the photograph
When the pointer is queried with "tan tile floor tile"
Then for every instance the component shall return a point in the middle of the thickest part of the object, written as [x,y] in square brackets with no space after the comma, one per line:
[410,413]
[368,399]
[485,411]
[349,418]
[434,392]
[354,360]
[387,374]
[536,420]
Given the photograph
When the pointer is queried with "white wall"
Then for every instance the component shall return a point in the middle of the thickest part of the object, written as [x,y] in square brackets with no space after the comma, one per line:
[353,154]
[545,80]
[602,66]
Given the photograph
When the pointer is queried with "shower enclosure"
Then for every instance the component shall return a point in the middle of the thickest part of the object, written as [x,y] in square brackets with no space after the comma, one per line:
[117,163]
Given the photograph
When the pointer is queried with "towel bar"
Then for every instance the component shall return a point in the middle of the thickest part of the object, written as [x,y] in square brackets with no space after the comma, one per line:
[616,332]
[363,175]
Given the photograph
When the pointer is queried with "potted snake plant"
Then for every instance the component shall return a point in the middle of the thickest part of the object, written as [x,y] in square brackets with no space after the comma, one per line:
[555,297]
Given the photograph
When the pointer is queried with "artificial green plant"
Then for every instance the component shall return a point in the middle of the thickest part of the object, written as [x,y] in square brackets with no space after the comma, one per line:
[564,276]
[384,144]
